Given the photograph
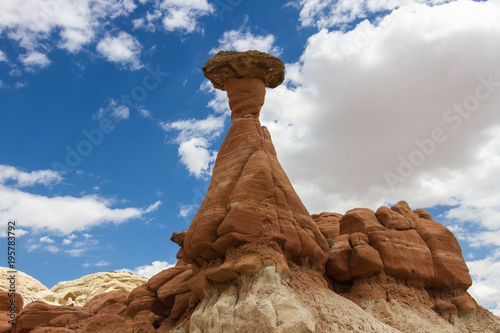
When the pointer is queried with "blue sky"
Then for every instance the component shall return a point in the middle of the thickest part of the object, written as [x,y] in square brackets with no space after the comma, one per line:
[109,131]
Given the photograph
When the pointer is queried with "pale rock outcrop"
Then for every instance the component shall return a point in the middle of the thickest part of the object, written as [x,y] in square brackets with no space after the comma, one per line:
[74,292]
[30,288]
[81,290]
[267,302]
[260,300]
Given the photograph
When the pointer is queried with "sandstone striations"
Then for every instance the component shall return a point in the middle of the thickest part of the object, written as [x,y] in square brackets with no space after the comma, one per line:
[255,260]
[250,198]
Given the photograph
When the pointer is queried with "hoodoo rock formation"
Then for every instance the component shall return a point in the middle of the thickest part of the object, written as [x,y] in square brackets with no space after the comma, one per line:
[255,260]
[250,199]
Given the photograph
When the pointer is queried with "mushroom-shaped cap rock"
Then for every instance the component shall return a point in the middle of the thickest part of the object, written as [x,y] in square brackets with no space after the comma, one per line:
[249,64]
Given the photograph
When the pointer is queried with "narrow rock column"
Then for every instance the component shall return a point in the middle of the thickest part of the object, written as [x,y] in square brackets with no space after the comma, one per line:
[250,199]
[246,97]
[244,76]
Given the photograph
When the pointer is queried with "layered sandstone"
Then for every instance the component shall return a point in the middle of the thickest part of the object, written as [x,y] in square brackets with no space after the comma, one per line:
[407,245]
[255,260]
[250,198]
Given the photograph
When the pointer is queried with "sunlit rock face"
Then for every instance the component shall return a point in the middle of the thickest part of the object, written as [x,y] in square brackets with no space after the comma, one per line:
[255,260]
[411,246]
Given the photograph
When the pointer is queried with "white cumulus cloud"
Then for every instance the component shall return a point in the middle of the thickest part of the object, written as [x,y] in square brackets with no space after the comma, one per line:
[243,40]
[194,138]
[196,156]
[183,14]
[38,27]
[359,102]
[144,112]
[148,271]
[122,49]
[329,13]
[486,286]
[34,59]
[34,23]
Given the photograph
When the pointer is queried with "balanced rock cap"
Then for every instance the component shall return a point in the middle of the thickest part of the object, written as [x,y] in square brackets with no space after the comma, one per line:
[249,64]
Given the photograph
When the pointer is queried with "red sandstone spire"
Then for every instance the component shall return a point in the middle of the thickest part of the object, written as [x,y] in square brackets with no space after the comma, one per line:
[250,198]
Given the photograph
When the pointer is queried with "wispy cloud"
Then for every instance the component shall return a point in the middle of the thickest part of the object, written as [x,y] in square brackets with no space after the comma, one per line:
[144,112]
[186,209]
[24,179]
[78,252]
[69,239]
[19,233]
[32,247]
[102,263]
[52,248]
[114,109]
[41,212]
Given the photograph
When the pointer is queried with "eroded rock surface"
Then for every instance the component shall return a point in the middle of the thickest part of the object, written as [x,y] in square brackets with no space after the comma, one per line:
[417,250]
[250,198]
[255,260]
[251,64]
